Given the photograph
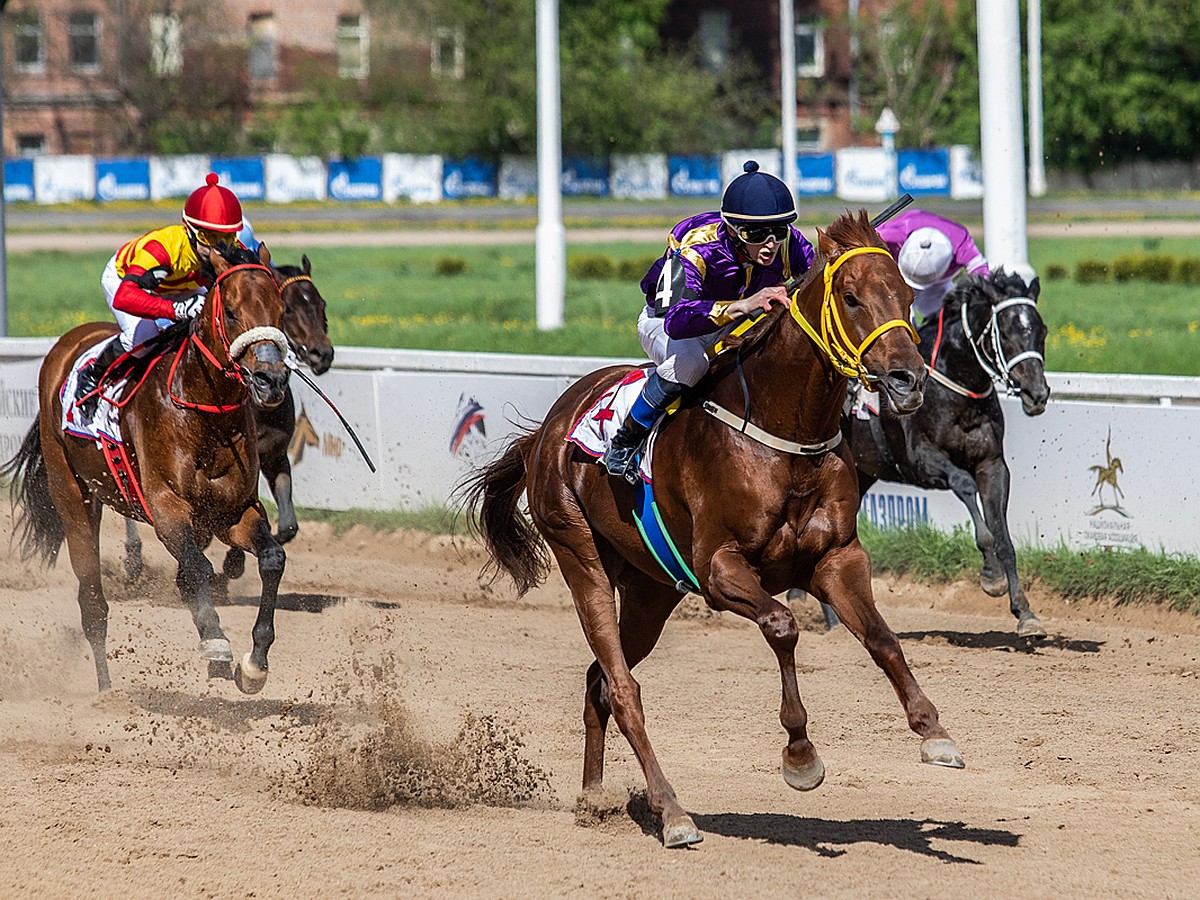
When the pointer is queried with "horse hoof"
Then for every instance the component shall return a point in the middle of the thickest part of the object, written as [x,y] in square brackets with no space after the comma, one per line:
[681,832]
[804,778]
[248,677]
[216,650]
[993,585]
[1030,625]
[941,752]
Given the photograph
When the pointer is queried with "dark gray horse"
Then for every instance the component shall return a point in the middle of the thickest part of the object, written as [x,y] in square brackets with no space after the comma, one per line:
[989,335]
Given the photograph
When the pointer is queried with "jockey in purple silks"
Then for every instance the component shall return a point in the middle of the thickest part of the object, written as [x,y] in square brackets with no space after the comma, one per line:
[718,268]
[931,251]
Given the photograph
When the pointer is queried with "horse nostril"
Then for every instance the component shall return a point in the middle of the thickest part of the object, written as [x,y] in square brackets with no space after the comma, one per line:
[902,379]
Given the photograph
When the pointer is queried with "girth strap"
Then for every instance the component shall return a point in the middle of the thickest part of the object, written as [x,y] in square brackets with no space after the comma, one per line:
[739,424]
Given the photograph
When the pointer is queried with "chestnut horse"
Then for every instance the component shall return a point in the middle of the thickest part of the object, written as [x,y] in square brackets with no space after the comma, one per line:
[191,441]
[307,332]
[750,520]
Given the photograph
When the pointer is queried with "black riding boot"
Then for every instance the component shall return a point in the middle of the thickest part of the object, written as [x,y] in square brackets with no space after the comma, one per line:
[89,377]
[621,456]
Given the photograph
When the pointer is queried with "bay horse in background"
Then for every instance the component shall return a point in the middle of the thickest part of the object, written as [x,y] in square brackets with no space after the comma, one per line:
[750,521]
[190,436]
[988,334]
[307,330]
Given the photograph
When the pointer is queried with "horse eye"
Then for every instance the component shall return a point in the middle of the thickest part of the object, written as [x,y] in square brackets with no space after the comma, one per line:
[850,300]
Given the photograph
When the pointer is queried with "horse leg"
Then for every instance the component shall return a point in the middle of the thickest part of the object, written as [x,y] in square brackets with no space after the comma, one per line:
[843,579]
[579,561]
[993,489]
[281,489]
[80,514]
[133,551]
[645,607]
[732,585]
[253,533]
[173,524]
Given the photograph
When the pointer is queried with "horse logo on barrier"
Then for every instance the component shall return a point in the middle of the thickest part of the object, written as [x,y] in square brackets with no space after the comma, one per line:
[305,435]
[1107,475]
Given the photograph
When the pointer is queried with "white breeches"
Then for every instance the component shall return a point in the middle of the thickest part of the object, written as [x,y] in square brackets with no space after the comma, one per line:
[682,360]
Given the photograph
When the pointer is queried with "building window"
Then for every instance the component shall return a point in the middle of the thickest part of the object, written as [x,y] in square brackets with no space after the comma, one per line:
[83,37]
[262,56]
[352,45]
[810,50]
[714,31]
[166,44]
[29,42]
[31,144]
[447,58]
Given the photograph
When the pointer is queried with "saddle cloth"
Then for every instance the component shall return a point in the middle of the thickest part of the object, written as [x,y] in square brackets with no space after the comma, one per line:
[106,419]
[594,430]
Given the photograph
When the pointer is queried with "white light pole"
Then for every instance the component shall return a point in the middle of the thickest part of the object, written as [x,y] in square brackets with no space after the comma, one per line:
[886,127]
[787,69]
[1037,156]
[550,235]
[1001,132]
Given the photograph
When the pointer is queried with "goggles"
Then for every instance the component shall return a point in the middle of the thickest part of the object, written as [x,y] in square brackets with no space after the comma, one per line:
[760,234]
[210,238]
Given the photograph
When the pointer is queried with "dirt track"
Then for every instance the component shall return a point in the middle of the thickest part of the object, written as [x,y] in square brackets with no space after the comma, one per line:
[347,774]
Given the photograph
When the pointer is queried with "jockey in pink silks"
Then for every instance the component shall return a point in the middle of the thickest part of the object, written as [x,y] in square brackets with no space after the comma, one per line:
[930,251]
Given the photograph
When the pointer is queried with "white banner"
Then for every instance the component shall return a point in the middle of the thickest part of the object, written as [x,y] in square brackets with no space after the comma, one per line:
[409,176]
[177,176]
[861,174]
[638,176]
[291,178]
[733,161]
[64,179]
[966,174]
[518,177]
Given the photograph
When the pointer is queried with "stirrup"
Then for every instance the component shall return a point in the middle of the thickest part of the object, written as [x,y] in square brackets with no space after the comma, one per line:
[623,462]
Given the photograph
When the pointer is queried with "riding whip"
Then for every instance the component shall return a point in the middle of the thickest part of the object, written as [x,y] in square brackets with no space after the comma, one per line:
[350,431]
[892,210]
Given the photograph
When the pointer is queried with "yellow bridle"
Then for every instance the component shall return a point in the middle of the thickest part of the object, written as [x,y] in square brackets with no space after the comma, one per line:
[833,339]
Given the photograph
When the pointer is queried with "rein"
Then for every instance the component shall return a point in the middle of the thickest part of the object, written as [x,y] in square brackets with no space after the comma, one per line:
[999,367]
[834,340]
[231,368]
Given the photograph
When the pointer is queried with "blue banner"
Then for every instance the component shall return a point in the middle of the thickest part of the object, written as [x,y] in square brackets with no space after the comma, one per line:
[585,176]
[241,174]
[18,181]
[924,171]
[694,176]
[470,177]
[814,173]
[356,179]
[123,179]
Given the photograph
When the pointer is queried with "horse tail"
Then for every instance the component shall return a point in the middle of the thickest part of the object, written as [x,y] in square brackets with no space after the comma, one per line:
[492,498]
[42,529]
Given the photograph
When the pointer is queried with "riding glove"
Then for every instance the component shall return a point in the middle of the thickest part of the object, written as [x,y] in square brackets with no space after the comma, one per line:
[188,309]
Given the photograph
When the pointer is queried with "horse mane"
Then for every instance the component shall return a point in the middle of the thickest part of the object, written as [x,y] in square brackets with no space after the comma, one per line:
[234,254]
[288,271]
[849,230]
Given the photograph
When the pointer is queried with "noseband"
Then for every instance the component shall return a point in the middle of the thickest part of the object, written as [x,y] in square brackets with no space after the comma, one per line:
[999,367]
[230,367]
[834,340]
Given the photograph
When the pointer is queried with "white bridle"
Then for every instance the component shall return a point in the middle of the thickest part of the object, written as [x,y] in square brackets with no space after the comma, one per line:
[1001,371]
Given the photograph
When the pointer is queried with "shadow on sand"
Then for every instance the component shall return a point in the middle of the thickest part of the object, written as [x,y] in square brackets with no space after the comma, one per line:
[1006,641]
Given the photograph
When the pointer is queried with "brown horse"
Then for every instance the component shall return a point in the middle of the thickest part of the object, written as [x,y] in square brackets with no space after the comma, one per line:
[190,437]
[307,331]
[751,521]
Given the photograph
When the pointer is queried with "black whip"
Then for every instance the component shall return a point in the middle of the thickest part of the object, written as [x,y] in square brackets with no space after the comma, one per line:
[904,200]
[337,412]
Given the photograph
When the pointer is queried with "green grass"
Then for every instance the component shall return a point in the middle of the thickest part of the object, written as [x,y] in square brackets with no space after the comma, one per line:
[430,519]
[395,297]
[1134,576]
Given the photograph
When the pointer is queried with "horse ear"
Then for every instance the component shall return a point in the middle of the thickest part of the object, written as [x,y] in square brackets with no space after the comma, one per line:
[305,267]
[217,261]
[1035,288]
[264,255]
[827,245]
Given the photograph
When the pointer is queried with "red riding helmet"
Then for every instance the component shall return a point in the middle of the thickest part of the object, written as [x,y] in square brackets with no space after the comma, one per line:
[213,208]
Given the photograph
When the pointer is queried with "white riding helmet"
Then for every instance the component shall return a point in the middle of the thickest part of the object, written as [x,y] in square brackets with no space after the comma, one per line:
[925,258]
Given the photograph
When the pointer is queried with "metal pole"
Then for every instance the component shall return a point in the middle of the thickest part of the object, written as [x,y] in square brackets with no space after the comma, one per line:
[3,156]
[1037,156]
[787,76]
[852,99]
[550,235]
[1001,132]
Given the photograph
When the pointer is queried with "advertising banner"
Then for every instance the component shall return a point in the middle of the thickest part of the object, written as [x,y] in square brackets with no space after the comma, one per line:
[177,176]
[862,175]
[518,177]
[123,179]
[64,179]
[733,161]
[244,175]
[292,178]
[639,176]
[410,176]
[924,172]
[695,176]
[356,179]
[584,177]
[18,181]
[966,174]
[469,177]
[815,172]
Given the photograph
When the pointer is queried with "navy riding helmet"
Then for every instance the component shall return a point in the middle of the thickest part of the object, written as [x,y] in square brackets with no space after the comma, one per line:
[756,198]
